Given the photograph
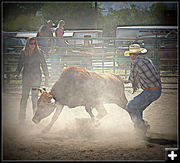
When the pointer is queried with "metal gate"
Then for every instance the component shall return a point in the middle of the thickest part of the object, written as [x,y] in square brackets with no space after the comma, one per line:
[106,57]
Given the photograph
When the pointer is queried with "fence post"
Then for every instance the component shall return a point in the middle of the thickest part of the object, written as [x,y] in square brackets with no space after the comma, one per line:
[158,56]
[114,57]
[103,59]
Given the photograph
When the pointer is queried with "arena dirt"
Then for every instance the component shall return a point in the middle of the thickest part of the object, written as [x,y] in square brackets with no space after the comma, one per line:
[74,137]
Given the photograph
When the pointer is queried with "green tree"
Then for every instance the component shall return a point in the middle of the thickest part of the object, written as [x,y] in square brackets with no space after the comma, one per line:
[75,15]
[18,16]
[26,22]
[133,16]
[13,9]
[157,12]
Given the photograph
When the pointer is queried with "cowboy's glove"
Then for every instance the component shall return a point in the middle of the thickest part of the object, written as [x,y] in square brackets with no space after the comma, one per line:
[135,87]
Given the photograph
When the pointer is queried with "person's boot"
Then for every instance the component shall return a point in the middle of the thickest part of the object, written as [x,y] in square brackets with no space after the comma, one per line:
[140,130]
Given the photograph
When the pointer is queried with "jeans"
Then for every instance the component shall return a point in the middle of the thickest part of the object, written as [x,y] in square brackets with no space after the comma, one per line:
[44,45]
[42,42]
[138,104]
[59,44]
[23,103]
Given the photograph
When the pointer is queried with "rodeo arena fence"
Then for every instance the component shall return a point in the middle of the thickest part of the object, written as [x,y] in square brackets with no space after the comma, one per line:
[104,55]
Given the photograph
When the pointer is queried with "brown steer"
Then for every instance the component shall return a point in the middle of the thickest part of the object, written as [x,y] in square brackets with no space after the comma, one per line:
[79,87]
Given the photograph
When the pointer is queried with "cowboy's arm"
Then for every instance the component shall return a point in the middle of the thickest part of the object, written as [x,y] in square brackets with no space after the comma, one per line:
[133,76]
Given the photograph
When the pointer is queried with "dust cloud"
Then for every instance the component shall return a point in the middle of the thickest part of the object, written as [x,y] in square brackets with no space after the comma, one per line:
[75,137]
[72,123]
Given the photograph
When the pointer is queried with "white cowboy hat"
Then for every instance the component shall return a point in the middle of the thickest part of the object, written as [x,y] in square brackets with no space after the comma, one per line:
[135,48]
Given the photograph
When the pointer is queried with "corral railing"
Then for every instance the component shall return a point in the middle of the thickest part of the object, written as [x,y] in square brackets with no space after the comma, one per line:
[104,55]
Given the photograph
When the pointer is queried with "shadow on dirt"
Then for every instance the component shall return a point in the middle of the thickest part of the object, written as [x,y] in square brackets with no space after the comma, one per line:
[161,141]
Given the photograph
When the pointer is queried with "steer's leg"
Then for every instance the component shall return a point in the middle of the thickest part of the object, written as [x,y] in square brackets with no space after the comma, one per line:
[122,102]
[101,111]
[93,118]
[54,118]
[89,110]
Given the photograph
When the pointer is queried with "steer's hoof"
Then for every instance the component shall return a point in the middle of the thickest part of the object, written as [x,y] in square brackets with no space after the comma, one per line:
[46,130]
[95,121]
[96,124]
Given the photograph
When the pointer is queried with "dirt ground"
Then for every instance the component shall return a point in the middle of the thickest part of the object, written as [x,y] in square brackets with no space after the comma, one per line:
[74,137]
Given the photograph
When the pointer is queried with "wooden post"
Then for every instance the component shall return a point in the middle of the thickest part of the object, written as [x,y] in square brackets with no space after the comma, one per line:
[95,16]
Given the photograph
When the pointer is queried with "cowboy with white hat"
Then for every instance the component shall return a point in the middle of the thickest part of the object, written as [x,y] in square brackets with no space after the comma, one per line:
[136,49]
[144,75]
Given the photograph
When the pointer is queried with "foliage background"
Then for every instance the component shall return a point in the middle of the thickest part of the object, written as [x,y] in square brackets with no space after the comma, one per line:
[77,15]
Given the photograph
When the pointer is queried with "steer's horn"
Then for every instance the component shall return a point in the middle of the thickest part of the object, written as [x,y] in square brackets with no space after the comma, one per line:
[37,89]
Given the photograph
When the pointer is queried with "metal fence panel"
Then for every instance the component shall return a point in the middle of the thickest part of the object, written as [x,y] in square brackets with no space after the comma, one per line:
[105,58]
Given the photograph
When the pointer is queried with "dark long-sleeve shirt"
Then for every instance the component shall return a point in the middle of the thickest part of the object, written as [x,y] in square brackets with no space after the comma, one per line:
[44,31]
[143,72]
[31,67]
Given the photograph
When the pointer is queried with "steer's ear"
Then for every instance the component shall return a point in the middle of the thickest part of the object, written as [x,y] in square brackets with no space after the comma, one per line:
[40,90]
[44,89]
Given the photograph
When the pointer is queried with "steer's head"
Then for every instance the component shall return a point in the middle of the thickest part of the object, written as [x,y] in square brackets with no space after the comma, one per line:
[45,106]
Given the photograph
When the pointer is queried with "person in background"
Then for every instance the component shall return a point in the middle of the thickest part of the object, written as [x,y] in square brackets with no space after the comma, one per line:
[143,74]
[31,58]
[45,31]
[59,32]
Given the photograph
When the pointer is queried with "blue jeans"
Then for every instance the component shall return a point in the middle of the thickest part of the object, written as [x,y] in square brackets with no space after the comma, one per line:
[138,104]
[23,103]
[44,45]
[42,42]
[59,44]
